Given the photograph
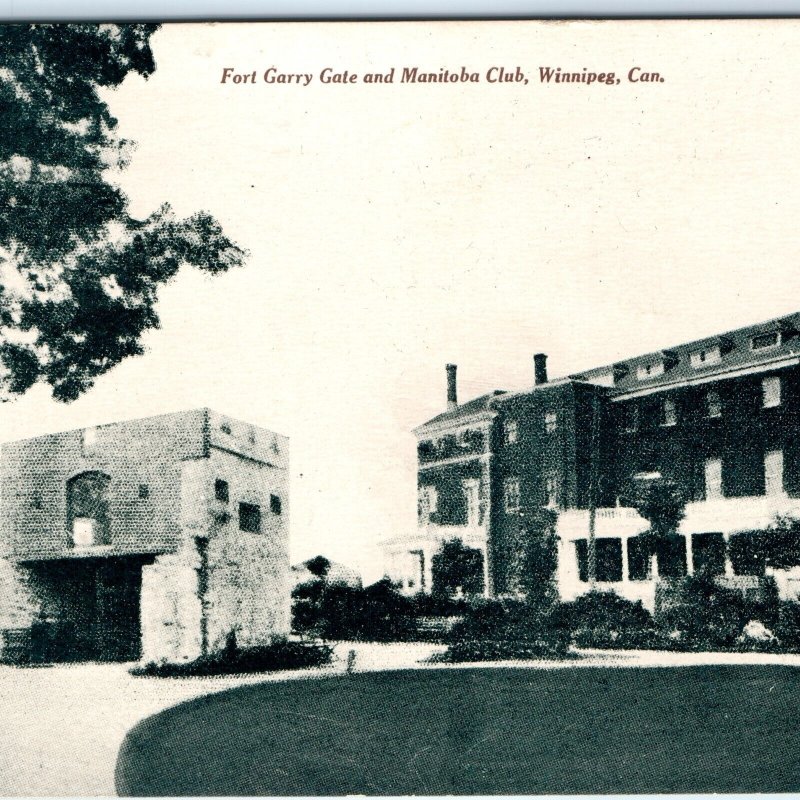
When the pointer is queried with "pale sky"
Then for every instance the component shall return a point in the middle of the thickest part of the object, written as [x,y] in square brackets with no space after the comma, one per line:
[394,228]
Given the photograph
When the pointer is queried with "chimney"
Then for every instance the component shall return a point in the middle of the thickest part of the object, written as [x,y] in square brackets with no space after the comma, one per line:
[452,397]
[539,368]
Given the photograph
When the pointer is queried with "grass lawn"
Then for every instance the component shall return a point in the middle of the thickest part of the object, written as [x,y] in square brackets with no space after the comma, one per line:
[479,731]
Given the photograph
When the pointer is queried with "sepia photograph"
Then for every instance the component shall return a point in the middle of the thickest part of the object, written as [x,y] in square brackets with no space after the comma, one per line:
[399,408]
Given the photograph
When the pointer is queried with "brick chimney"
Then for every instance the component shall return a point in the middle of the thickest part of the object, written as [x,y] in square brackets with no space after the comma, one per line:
[452,396]
[539,368]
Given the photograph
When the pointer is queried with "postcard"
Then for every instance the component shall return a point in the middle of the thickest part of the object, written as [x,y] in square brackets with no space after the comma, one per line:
[400,408]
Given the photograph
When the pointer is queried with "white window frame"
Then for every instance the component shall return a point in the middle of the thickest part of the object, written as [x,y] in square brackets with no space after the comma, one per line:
[510,431]
[713,469]
[428,499]
[551,421]
[511,495]
[551,491]
[651,370]
[773,473]
[718,405]
[705,357]
[669,419]
[777,343]
[771,389]
[472,500]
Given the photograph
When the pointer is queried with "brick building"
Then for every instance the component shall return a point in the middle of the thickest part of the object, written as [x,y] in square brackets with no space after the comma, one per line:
[153,538]
[719,417]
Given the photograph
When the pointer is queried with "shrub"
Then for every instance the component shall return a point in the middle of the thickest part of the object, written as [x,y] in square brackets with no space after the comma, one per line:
[604,619]
[709,616]
[456,566]
[375,613]
[787,627]
[437,605]
[507,629]
[279,655]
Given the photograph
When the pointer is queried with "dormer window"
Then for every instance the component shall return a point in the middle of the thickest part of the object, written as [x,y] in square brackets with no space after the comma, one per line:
[705,357]
[764,341]
[650,370]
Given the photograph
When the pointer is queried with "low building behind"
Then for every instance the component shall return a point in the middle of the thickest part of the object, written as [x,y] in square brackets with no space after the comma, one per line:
[159,538]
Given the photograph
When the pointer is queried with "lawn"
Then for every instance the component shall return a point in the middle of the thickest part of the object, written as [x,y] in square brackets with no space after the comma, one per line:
[479,731]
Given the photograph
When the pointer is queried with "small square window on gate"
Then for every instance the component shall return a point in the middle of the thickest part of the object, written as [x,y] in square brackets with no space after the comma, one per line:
[274,504]
[249,518]
[221,490]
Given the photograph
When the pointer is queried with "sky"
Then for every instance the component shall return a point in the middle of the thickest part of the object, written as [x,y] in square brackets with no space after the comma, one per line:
[393,228]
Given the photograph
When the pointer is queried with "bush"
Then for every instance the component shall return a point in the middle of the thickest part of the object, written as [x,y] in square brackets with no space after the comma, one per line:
[709,616]
[507,629]
[279,655]
[335,611]
[604,619]
[787,627]
[437,605]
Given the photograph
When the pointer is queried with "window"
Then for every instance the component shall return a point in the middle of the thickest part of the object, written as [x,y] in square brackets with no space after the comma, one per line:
[251,437]
[221,490]
[89,440]
[511,494]
[771,392]
[582,556]
[551,491]
[551,422]
[471,501]
[88,520]
[608,559]
[651,370]
[638,559]
[713,405]
[426,502]
[765,340]
[36,500]
[703,358]
[225,428]
[708,553]
[713,478]
[249,518]
[669,412]
[144,491]
[773,472]
[275,505]
[510,431]
[630,418]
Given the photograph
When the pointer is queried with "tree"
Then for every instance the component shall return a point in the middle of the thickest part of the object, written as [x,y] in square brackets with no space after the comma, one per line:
[662,503]
[319,566]
[79,275]
[535,558]
[457,566]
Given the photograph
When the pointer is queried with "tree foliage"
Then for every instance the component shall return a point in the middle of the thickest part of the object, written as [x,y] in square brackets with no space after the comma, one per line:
[535,558]
[455,567]
[78,274]
[662,503]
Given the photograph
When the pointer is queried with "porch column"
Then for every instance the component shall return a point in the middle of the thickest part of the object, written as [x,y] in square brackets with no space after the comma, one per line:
[728,565]
[625,576]
[689,555]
